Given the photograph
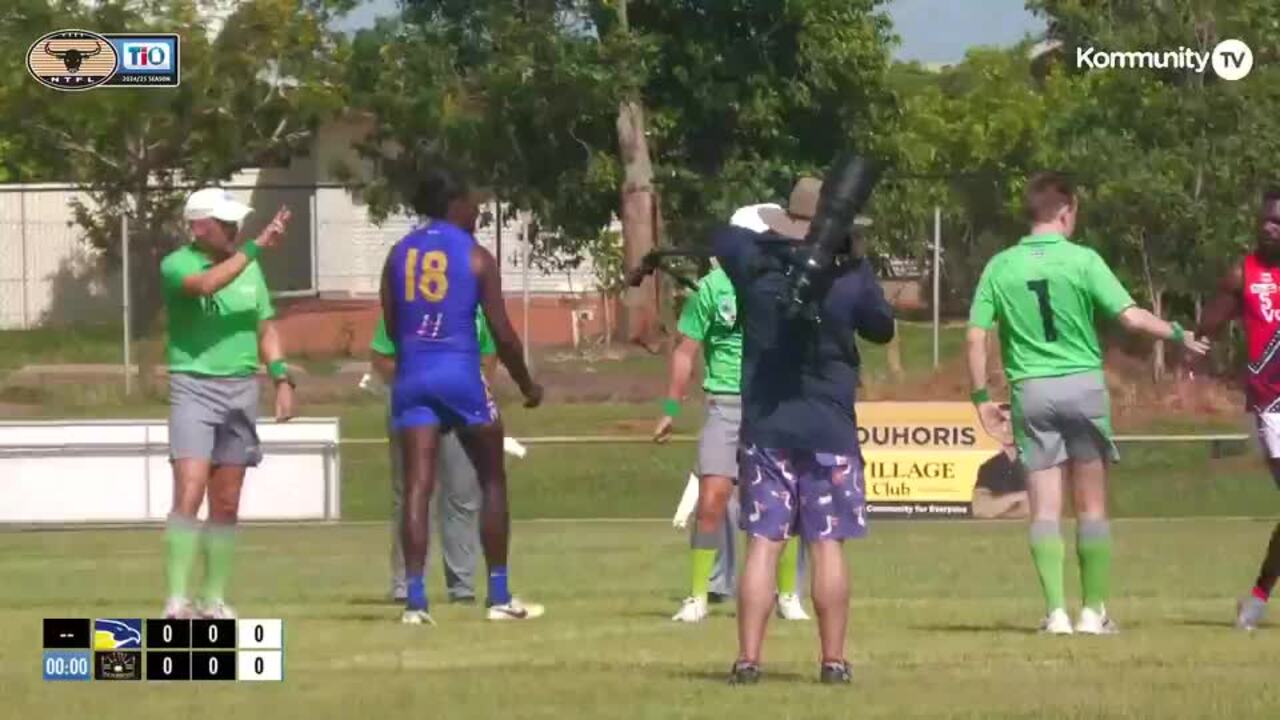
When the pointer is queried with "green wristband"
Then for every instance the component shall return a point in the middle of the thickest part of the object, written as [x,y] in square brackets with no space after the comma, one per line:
[251,249]
[671,407]
[980,396]
[1179,333]
[278,369]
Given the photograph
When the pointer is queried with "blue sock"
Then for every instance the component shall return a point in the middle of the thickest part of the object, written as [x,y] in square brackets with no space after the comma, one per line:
[417,593]
[498,592]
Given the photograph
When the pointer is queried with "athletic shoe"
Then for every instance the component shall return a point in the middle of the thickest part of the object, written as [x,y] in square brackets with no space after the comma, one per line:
[1096,622]
[744,673]
[516,610]
[177,608]
[399,591]
[417,617]
[1249,612]
[1056,623]
[836,673]
[217,610]
[790,607]
[692,610]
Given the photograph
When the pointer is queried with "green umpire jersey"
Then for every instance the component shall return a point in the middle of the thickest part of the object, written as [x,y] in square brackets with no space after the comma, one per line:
[711,318]
[382,344]
[217,335]
[1046,293]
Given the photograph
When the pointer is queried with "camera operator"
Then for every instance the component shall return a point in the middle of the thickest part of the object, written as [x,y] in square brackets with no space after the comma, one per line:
[801,470]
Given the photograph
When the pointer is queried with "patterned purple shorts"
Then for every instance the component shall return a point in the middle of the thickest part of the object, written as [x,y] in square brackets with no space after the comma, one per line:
[817,496]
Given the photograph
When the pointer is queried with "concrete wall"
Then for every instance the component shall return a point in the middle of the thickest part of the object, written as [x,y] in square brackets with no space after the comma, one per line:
[48,274]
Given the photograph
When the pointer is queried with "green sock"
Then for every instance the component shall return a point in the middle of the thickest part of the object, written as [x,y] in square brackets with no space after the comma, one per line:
[181,538]
[788,567]
[1093,546]
[219,548]
[703,560]
[1049,554]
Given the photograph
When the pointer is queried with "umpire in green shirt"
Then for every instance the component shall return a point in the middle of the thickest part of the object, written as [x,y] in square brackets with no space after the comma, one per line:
[220,329]
[1045,294]
[709,322]
[459,512]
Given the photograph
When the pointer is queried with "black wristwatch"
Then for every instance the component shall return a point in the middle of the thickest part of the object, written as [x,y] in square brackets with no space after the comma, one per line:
[287,379]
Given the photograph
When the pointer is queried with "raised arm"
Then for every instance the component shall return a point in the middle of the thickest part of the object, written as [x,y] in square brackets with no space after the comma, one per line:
[510,349]
[208,282]
[1225,305]
[1111,297]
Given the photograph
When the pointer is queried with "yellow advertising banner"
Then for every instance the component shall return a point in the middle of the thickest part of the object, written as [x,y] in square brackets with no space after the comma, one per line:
[923,459]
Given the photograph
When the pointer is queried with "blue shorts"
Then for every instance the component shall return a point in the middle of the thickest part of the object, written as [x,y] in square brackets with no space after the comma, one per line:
[818,496]
[442,396]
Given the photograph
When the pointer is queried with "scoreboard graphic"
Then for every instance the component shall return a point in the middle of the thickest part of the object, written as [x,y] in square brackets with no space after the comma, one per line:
[163,650]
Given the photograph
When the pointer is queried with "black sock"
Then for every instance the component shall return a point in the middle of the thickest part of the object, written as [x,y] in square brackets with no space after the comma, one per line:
[1270,565]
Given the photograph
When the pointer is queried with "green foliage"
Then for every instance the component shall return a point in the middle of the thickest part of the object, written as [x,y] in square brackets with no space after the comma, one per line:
[517,98]
[251,96]
[745,95]
[1171,161]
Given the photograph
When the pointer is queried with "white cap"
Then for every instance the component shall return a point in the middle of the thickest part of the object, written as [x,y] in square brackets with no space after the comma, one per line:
[214,203]
[749,217]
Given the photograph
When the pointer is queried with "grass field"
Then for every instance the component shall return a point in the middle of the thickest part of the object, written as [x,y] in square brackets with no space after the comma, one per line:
[942,611]
[940,628]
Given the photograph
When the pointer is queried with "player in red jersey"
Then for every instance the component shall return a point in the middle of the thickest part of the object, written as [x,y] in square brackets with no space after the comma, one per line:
[1251,290]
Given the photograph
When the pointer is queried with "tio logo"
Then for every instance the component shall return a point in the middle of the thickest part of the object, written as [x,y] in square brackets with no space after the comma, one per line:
[1232,59]
[146,56]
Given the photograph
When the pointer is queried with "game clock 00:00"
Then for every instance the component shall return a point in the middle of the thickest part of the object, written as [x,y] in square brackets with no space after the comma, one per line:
[163,650]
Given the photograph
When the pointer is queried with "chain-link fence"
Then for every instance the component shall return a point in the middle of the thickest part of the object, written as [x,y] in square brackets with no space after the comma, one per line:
[77,278]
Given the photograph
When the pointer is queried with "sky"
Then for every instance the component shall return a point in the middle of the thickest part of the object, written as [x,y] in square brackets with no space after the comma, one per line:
[932,31]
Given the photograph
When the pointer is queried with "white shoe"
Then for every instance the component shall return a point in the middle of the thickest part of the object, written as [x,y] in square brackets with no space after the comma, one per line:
[1056,623]
[178,608]
[1096,622]
[790,607]
[516,610]
[692,610]
[217,610]
[416,617]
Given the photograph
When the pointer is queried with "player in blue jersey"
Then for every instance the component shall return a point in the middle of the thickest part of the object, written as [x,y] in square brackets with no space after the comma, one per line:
[433,281]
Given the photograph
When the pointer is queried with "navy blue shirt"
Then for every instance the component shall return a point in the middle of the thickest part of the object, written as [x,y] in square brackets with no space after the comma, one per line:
[799,378]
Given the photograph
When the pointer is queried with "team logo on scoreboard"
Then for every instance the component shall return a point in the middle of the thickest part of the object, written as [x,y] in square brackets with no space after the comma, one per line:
[81,60]
[117,666]
[113,634]
[72,60]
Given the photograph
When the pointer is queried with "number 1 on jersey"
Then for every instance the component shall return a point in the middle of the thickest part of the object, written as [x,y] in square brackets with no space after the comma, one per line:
[1041,289]
[432,283]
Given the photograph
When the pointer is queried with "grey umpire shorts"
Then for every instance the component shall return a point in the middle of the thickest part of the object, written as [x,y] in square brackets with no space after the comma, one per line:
[718,443]
[213,418]
[1056,419]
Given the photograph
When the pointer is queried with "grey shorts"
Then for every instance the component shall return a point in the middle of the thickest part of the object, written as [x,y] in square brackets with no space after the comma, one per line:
[1057,419]
[718,443]
[212,418]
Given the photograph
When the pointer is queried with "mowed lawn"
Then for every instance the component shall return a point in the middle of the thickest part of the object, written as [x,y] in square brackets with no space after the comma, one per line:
[941,627]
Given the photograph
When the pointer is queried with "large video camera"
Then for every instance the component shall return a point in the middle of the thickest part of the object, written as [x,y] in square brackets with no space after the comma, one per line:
[810,265]
[830,244]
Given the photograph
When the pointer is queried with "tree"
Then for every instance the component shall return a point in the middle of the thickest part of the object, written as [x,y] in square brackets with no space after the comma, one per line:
[250,96]
[519,97]
[742,96]
[1170,159]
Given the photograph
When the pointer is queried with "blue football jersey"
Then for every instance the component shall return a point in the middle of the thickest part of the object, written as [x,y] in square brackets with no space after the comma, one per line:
[435,295]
